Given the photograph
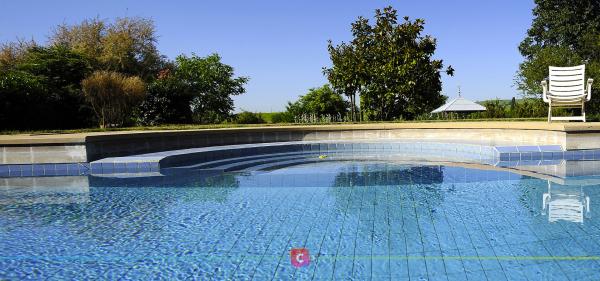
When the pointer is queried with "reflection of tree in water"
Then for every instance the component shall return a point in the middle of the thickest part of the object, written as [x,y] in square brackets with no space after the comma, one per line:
[379,199]
[407,181]
[123,208]
[387,174]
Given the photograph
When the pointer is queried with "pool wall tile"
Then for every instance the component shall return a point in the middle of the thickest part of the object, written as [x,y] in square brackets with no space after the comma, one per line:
[452,151]
[4,171]
[506,149]
[528,148]
[38,170]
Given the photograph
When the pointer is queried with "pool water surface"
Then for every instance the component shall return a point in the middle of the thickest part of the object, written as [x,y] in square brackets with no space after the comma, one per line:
[361,220]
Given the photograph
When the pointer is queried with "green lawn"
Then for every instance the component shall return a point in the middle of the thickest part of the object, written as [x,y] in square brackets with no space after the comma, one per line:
[214,126]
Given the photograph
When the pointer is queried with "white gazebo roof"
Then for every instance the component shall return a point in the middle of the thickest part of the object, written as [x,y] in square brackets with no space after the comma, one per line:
[459,104]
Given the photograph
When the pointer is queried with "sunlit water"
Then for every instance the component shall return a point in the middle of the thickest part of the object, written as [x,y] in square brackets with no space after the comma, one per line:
[358,220]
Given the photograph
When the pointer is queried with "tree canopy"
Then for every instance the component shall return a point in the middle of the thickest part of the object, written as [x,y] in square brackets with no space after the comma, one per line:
[42,90]
[389,63]
[563,33]
[118,64]
[320,102]
[193,89]
[127,45]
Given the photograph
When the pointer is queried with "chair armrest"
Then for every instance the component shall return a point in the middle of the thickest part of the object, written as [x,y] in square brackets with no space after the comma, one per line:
[589,88]
[545,91]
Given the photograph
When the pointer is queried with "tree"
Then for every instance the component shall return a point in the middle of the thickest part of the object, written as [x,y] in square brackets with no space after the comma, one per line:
[211,84]
[168,102]
[112,96]
[345,74]
[54,99]
[192,89]
[128,45]
[563,33]
[61,70]
[23,101]
[12,53]
[390,64]
[320,102]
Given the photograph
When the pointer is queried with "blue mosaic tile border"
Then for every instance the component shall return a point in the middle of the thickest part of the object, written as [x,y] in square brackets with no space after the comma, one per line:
[40,170]
[547,152]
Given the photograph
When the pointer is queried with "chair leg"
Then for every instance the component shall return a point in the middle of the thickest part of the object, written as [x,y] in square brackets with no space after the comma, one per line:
[550,112]
[583,111]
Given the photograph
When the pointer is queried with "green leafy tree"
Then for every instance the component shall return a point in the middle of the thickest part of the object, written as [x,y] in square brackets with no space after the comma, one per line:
[320,102]
[23,101]
[61,71]
[54,99]
[192,90]
[347,72]
[211,85]
[168,102]
[563,33]
[390,64]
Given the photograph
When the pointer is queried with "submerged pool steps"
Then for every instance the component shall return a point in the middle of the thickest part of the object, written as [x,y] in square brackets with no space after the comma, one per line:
[244,157]
[252,157]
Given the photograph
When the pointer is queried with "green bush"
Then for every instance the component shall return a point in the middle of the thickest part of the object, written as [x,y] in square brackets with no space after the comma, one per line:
[247,117]
[321,104]
[282,117]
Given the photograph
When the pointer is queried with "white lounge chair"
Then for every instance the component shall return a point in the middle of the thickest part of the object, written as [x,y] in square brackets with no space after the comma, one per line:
[567,88]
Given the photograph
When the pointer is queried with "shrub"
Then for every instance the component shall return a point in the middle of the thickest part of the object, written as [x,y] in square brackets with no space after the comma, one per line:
[319,103]
[282,117]
[247,117]
[112,95]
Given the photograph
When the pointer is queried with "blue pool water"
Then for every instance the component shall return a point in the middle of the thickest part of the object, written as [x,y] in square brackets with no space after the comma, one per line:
[358,220]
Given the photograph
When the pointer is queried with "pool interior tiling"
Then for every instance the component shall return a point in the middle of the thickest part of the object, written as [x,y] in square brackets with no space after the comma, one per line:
[360,220]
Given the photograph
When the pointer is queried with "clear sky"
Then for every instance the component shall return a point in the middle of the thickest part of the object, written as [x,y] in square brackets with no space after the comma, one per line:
[282,45]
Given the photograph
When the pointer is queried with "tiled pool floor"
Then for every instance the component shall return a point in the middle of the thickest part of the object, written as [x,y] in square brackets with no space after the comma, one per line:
[358,220]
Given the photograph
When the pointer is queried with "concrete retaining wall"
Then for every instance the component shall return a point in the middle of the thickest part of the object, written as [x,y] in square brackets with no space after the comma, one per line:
[93,146]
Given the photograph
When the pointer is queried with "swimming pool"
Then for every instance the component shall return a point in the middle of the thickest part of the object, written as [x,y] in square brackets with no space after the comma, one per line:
[370,219]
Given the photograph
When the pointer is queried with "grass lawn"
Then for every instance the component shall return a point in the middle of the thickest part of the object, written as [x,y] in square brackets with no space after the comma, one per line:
[229,125]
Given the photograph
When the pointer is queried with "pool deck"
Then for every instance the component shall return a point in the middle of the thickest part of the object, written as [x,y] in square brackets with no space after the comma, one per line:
[93,146]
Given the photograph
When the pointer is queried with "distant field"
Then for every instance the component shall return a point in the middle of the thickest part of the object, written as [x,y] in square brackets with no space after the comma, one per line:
[267,116]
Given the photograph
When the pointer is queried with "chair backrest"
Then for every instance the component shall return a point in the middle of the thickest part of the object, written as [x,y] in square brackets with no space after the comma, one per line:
[567,81]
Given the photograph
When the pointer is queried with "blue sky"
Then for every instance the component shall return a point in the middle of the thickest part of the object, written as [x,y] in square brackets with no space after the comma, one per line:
[282,45]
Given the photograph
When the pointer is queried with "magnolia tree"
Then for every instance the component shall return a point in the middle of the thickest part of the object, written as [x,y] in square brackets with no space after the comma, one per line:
[389,63]
[112,95]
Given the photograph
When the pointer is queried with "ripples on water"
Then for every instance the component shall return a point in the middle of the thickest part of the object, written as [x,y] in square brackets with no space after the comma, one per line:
[358,220]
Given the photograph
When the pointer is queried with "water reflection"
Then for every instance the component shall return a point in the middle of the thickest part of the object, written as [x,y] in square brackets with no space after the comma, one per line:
[566,203]
[44,190]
